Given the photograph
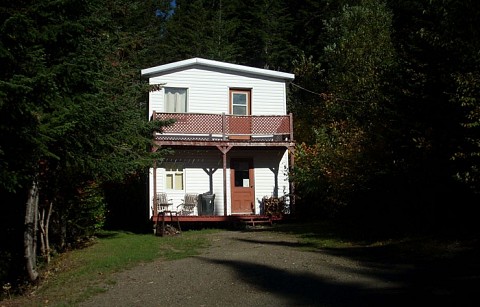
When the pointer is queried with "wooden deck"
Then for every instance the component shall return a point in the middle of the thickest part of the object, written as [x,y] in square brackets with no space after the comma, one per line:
[247,219]
[172,224]
[253,220]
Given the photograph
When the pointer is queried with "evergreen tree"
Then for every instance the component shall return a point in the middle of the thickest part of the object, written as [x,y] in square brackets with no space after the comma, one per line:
[262,34]
[436,43]
[73,109]
[198,29]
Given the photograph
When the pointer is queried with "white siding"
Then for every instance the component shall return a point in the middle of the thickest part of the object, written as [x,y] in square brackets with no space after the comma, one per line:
[208,91]
[268,164]
[196,164]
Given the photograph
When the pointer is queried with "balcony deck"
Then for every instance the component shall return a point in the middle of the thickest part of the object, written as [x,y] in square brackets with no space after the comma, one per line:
[223,132]
[198,129]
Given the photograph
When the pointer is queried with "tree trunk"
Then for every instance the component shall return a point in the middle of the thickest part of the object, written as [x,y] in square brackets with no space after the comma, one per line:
[44,224]
[41,225]
[30,234]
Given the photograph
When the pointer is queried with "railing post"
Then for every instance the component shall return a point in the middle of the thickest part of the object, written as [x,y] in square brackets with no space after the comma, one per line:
[291,126]
[224,123]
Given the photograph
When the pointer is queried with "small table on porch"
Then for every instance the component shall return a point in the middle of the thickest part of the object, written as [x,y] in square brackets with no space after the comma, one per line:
[160,227]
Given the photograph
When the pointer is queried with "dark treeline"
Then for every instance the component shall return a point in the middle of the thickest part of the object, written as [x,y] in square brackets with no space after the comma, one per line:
[393,140]
[384,103]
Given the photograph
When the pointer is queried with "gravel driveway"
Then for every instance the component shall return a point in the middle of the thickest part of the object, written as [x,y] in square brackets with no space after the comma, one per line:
[263,268]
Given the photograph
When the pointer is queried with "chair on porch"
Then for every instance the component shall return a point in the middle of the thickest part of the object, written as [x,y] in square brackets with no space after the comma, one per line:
[162,203]
[188,205]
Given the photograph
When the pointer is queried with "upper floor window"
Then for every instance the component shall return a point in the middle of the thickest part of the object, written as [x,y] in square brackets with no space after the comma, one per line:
[240,102]
[175,100]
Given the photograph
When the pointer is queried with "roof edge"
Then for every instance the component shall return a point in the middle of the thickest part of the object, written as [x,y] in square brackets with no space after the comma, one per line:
[216,64]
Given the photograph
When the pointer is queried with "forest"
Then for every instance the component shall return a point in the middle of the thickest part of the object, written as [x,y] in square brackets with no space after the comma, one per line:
[385,103]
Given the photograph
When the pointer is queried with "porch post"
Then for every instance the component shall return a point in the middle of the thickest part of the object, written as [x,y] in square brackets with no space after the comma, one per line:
[224,154]
[291,151]
[154,189]
[224,150]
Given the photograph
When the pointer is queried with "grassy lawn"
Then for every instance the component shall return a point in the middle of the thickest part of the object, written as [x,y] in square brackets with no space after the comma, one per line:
[79,274]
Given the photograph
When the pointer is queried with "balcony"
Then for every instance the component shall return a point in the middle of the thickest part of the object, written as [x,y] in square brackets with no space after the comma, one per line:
[217,129]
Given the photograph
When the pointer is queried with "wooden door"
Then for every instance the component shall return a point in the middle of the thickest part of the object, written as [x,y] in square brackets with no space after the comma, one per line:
[240,124]
[241,180]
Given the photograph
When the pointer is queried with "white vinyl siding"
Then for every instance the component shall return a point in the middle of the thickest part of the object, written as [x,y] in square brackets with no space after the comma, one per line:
[208,91]
[267,167]
[199,163]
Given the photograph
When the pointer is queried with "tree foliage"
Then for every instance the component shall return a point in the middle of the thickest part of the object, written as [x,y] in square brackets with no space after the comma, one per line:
[252,33]
[358,59]
[385,100]
[391,109]
[73,108]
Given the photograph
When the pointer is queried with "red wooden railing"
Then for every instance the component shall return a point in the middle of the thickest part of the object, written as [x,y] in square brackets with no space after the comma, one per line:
[280,127]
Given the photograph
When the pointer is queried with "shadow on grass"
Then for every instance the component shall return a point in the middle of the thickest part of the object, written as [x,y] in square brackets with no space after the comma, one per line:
[339,230]
[110,234]
[449,278]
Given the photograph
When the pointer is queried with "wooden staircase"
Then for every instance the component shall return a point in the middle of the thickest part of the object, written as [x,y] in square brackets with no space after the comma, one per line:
[256,220]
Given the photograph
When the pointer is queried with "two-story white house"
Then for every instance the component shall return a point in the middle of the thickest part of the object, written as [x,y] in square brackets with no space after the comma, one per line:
[232,136]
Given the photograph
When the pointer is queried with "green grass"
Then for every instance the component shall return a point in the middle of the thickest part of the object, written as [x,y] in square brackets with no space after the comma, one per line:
[77,275]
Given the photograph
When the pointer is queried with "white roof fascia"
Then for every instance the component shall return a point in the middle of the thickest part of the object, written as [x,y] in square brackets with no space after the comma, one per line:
[216,64]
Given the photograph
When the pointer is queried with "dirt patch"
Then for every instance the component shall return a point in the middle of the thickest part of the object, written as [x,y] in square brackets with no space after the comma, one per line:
[264,268]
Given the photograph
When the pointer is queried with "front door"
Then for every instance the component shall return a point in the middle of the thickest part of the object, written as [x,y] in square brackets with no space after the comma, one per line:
[241,172]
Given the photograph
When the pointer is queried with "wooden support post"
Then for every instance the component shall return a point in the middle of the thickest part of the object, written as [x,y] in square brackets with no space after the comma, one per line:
[224,150]
[291,151]
[154,209]
[291,126]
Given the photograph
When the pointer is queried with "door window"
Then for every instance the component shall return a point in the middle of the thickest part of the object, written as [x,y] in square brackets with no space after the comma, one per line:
[242,176]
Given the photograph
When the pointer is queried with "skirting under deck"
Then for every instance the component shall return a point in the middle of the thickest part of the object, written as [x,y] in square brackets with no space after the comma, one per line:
[216,218]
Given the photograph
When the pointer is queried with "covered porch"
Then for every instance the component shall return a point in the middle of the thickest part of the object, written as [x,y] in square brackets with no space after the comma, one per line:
[234,138]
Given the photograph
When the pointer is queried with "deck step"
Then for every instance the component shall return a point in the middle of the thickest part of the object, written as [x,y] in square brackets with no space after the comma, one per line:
[257,220]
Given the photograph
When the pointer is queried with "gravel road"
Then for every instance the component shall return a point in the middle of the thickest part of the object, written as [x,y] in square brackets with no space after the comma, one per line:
[264,268]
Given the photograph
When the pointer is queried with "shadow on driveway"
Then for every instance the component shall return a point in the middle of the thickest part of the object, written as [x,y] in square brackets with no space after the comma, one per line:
[446,282]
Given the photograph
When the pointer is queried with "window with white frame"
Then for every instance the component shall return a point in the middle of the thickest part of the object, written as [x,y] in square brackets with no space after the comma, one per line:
[174,176]
[175,100]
